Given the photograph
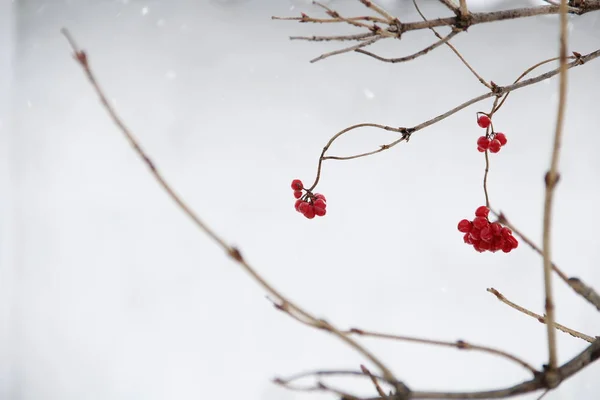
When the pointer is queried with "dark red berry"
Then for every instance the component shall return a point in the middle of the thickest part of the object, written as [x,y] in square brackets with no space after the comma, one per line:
[480,222]
[320,211]
[310,212]
[303,207]
[465,226]
[297,194]
[320,196]
[297,184]
[467,238]
[486,234]
[501,138]
[484,121]
[482,211]
[475,234]
[483,142]
[514,243]
[506,232]
[298,202]
[496,228]
[320,203]
[495,146]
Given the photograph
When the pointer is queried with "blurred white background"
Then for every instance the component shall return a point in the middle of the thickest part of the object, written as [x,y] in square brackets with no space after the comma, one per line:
[109,292]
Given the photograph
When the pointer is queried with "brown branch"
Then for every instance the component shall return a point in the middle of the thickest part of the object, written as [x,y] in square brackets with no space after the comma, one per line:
[451,6]
[540,318]
[459,344]
[551,179]
[380,391]
[426,50]
[233,252]
[379,10]
[585,291]
[463,8]
[479,78]
[346,50]
[360,36]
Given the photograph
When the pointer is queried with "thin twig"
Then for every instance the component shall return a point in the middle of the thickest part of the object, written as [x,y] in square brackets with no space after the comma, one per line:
[448,3]
[233,252]
[479,78]
[551,179]
[459,344]
[463,8]
[360,36]
[366,371]
[540,318]
[443,40]
[379,10]
[346,50]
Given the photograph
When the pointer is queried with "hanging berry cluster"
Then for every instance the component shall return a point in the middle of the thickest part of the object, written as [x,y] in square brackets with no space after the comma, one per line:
[486,236]
[308,204]
[493,141]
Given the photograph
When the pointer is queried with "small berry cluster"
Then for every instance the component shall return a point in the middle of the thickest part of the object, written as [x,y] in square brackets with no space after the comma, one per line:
[494,142]
[309,205]
[486,236]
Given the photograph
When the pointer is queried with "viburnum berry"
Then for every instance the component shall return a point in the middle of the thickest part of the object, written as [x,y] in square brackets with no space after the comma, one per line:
[465,226]
[486,236]
[310,205]
[297,194]
[298,202]
[297,185]
[495,146]
[484,121]
[482,211]
[501,138]
[483,143]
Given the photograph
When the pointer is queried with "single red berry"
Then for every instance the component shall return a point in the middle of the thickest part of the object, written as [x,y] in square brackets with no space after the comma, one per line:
[475,234]
[297,194]
[320,203]
[483,245]
[298,202]
[477,246]
[320,211]
[507,247]
[506,232]
[484,121]
[496,228]
[481,149]
[320,196]
[501,138]
[486,234]
[297,184]
[303,207]
[495,146]
[480,222]
[483,142]
[465,226]
[482,211]
[310,212]
[514,243]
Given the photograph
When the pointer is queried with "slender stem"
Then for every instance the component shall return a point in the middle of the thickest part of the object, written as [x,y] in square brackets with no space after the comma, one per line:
[551,179]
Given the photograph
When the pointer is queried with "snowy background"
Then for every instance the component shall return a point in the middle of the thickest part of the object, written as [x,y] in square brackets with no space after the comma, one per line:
[108,292]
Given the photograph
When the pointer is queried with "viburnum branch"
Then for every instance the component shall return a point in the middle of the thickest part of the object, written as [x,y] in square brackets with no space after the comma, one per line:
[540,318]
[379,10]
[360,36]
[373,28]
[380,391]
[306,18]
[396,28]
[81,57]
[318,387]
[487,158]
[451,6]
[551,180]
[585,291]
[479,78]
[459,344]
[463,8]
[406,133]
[443,40]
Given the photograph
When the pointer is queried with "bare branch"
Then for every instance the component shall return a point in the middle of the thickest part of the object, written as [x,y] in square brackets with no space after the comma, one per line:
[360,36]
[450,4]
[346,50]
[585,291]
[380,391]
[551,180]
[540,318]
[463,8]
[415,55]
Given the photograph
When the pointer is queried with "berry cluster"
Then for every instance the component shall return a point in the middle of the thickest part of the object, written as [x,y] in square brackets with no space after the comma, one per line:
[310,205]
[492,142]
[486,236]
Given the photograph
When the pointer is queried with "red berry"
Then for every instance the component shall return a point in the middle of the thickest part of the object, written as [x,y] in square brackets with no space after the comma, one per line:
[482,211]
[481,149]
[501,138]
[467,239]
[475,234]
[303,207]
[480,222]
[495,146]
[298,202]
[507,247]
[514,243]
[310,212]
[506,232]
[484,121]
[297,194]
[496,229]
[320,196]
[320,211]
[483,142]
[320,203]
[465,226]
[297,184]
[486,234]
[483,245]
